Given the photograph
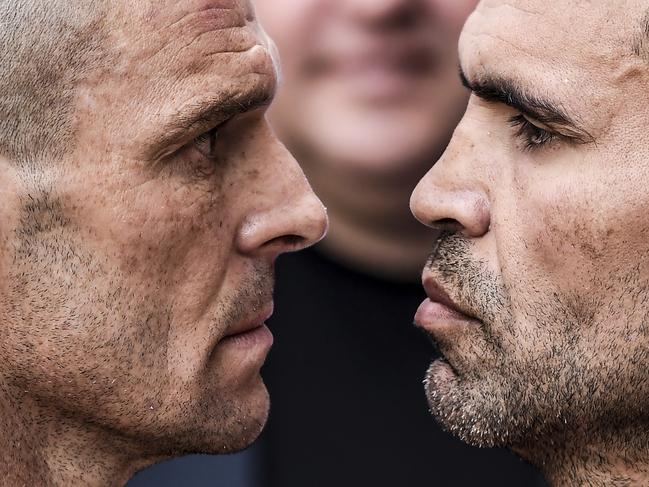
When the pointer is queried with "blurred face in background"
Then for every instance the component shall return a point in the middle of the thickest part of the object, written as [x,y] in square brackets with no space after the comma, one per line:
[369,86]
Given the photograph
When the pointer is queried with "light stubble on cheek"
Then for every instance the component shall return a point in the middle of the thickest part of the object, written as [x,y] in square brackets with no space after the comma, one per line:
[97,340]
[69,314]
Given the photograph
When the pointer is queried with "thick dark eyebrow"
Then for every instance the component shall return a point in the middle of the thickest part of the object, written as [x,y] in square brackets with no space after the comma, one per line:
[505,91]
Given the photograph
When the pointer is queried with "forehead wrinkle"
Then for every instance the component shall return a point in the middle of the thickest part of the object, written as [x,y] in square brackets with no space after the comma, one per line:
[215,32]
[484,18]
[164,18]
[212,20]
[177,67]
[539,57]
[587,24]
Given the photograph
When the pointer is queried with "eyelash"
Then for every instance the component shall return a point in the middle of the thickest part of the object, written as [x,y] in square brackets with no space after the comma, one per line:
[532,136]
[210,137]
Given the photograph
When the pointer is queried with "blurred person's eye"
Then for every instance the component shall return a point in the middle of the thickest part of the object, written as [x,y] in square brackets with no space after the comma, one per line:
[532,133]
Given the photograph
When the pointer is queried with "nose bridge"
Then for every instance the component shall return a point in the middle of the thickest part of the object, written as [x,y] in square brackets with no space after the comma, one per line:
[284,214]
[453,195]
[463,162]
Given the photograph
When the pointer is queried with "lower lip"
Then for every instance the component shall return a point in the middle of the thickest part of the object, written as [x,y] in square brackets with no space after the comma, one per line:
[260,337]
[432,316]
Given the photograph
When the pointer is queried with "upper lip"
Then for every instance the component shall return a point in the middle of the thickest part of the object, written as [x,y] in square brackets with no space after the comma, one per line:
[436,293]
[250,324]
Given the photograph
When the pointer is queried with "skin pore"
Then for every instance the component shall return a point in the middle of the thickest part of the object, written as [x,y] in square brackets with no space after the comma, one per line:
[135,263]
[368,100]
[542,206]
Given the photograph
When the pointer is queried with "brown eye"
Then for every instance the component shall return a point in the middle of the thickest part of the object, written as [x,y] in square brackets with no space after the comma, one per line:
[206,143]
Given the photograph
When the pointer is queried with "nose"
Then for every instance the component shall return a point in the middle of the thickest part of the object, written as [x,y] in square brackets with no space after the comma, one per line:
[287,216]
[450,197]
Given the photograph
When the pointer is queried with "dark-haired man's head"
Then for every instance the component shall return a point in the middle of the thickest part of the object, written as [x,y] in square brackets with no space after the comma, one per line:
[144,201]
[539,281]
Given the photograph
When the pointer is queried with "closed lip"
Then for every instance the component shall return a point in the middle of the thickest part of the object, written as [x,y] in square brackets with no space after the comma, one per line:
[248,325]
[437,294]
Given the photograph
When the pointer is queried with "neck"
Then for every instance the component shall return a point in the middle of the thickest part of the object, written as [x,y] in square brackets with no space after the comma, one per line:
[619,458]
[371,226]
[41,448]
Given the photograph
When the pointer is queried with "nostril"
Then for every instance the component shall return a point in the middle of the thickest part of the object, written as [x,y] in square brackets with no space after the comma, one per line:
[447,224]
[289,242]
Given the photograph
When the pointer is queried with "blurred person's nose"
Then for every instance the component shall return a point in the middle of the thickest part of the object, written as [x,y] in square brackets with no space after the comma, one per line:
[451,196]
[286,215]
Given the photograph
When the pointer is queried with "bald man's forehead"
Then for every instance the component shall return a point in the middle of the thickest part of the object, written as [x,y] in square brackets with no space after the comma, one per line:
[590,27]
[578,53]
[556,30]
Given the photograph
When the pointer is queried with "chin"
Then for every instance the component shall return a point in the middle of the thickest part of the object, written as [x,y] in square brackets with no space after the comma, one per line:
[250,426]
[481,411]
[227,422]
[245,422]
[452,407]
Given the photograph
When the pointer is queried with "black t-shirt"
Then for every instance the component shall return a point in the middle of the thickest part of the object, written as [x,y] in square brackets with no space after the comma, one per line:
[345,378]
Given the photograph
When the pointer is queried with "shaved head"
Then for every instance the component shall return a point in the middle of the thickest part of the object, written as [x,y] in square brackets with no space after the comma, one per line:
[45,48]
[144,201]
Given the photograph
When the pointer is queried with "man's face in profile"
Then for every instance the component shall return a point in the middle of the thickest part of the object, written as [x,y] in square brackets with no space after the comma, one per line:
[136,274]
[539,281]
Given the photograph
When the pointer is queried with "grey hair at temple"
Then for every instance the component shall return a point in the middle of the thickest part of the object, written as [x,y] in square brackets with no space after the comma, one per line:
[45,48]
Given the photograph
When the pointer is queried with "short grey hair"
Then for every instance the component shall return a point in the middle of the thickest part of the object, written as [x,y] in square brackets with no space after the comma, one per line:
[46,46]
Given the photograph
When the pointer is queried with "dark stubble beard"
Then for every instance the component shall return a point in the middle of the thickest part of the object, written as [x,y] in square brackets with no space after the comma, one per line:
[527,387]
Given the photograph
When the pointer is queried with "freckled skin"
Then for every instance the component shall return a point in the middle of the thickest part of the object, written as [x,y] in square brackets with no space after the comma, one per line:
[550,254]
[124,265]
